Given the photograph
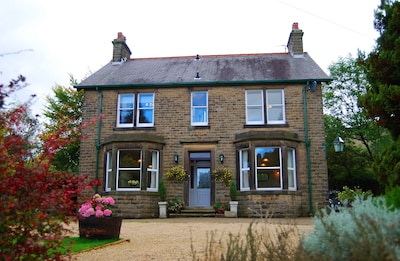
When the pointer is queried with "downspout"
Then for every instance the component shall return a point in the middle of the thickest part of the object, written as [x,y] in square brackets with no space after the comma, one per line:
[307,142]
[98,136]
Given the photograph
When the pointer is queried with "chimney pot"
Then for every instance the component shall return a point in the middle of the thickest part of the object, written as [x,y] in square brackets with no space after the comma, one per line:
[295,26]
[120,36]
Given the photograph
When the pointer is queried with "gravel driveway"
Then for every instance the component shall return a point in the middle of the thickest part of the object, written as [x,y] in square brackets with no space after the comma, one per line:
[173,238]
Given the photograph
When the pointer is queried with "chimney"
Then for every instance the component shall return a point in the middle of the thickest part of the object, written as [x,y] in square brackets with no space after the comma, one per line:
[295,42]
[121,50]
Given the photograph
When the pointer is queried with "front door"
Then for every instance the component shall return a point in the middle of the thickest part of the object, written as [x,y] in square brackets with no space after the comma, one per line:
[200,179]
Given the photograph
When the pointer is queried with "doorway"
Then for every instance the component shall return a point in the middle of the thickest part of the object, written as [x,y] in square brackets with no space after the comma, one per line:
[200,179]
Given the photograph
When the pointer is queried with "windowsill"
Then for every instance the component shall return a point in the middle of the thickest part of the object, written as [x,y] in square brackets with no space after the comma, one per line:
[133,128]
[283,125]
[199,127]
[271,192]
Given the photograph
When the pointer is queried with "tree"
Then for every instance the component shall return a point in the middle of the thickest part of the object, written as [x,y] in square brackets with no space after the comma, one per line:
[344,116]
[382,99]
[382,66]
[64,111]
[36,199]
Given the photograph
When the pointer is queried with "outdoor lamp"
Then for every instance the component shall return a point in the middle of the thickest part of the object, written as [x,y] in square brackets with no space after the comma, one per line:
[176,158]
[221,158]
[338,144]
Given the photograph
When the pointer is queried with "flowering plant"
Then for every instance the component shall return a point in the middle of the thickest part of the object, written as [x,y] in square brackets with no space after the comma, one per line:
[176,205]
[220,207]
[97,206]
[133,182]
[176,172]
[223,175]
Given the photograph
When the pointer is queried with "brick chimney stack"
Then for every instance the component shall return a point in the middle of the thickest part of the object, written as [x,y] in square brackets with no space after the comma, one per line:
[295,42]
[121,50]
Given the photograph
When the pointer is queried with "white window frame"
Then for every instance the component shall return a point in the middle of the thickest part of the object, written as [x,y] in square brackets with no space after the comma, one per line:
[291,168]
[119,169]
[139,109]
[255,106]
[275,105]
[155,162]
[192,108]
[269,168]
[125,125]
[107,186]
[244,169]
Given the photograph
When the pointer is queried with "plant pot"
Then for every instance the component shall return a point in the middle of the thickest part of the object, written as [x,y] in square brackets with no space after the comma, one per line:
[100,228]
[234,207]
[162,206]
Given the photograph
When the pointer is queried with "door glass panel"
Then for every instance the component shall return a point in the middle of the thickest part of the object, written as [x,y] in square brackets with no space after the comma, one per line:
[203,178]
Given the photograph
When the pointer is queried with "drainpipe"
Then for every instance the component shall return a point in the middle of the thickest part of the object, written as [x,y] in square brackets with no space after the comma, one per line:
[98,136]
[307,142]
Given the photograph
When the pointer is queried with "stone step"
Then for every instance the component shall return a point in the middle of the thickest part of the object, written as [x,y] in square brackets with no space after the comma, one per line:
[195,212]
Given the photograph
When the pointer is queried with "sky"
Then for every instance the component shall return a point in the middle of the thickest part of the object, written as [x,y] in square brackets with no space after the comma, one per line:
[48,40]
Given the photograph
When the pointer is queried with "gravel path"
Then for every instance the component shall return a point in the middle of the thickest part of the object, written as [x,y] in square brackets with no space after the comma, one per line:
[173,238]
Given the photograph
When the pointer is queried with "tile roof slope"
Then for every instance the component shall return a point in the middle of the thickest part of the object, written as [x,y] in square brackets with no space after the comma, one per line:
[211,68]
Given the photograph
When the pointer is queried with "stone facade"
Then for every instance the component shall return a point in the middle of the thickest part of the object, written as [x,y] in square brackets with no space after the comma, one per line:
[226,121]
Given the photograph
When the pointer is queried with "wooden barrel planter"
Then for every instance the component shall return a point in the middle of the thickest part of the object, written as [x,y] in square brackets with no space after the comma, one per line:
[100,228]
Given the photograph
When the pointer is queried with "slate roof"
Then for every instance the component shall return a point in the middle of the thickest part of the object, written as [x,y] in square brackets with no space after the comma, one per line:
[212,69]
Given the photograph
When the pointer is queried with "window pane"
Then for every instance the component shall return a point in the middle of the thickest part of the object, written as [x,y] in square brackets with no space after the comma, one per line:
[254,98]
[203,178]
[267,157]
[268,178]
[152,171]
[126,101]
[146,100]
[145,116]
[126,116]
[254,114]
[199,114]
[274,96]
[129,179]
[245,169]
[199,98]
[275,113]
[129,159]
[291,169]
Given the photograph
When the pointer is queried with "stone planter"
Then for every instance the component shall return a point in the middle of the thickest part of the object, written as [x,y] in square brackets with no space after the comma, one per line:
[100,228]
[234,207]
[162,206]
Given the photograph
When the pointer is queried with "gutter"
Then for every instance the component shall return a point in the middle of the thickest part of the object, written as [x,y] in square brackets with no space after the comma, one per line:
[201,83]
[98,144]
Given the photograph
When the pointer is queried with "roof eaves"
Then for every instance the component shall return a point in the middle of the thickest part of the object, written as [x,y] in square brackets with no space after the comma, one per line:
[201,84]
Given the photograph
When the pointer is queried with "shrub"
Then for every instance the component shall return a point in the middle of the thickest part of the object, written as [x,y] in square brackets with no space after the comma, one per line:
[393,198]
[162,190]
[233,191]
[367,231]
[347,196]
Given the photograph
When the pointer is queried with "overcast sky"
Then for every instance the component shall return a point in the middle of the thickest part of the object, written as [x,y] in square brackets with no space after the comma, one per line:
[46,40]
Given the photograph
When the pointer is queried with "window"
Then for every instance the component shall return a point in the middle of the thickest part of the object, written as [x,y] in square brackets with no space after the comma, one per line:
[152,171]
[108,171]
[244,170]
[127,107]
[275,107]
[268,168]
[129,174]
[199,109]
[291,169]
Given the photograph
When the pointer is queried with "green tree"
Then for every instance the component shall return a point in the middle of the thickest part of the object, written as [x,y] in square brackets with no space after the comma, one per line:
[344,116]
[382,99]
[64,112]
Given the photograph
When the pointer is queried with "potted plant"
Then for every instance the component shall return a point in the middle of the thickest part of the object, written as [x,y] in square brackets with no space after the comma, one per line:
[233,194]
[162,204]
[220,207]
[176,205]
[223,175]
[96,219]
[177,172]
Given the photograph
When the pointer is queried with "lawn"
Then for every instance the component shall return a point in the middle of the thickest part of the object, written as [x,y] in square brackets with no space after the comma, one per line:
[79,244]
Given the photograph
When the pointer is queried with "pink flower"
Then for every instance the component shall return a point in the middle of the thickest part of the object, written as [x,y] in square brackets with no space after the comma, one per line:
[107,212]
[99,213]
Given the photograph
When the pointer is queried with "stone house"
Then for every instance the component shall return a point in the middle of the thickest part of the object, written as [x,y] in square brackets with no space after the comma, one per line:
[259,115]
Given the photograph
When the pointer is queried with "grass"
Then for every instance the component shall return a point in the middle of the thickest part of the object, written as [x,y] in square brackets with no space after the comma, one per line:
[77,244]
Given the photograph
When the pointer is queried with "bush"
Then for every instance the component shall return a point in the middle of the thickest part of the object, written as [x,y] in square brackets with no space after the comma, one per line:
[367,231]
[347,196]
[393,198]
